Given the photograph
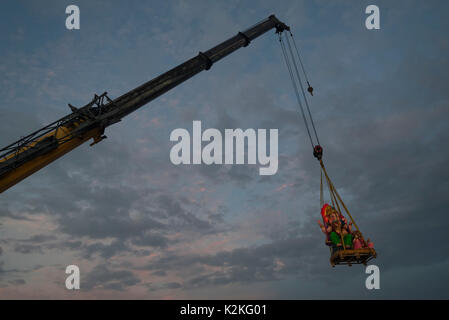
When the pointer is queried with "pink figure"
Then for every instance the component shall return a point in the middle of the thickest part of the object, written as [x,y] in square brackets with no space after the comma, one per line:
[357,243]
[370,244]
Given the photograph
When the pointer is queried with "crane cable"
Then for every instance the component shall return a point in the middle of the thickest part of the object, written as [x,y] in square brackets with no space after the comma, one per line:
[288,55]
[295,87]
[300,83]
[310,89]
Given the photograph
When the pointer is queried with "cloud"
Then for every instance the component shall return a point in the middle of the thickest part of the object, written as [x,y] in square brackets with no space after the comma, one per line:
[17,282]
[103,277]
[125,213]
[269,262]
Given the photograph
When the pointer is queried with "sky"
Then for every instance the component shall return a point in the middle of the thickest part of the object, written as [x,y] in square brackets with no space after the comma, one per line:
[140,227]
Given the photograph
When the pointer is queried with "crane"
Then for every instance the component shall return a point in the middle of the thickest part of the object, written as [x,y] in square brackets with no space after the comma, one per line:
[38,149]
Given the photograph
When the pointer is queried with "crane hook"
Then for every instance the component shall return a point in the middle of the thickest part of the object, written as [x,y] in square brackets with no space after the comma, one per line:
[310,88]
[318,152]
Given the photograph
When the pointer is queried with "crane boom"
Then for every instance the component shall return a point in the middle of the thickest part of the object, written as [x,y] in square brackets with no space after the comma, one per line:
[33,152]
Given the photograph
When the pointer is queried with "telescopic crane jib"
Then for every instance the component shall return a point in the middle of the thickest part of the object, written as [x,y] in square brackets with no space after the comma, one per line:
[33,152]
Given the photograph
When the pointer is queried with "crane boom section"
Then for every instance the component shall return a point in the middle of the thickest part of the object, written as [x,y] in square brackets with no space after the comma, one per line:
[33,152]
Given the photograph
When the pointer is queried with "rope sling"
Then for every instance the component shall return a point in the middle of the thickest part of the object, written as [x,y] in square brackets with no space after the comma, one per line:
[345,256]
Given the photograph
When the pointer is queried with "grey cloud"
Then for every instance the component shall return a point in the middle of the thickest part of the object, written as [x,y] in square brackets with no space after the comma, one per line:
[28,248]
[163,286]
[40,238]
[103,277]
[152,240]
[106,251]
[270,262]
[381,109]
[17,282]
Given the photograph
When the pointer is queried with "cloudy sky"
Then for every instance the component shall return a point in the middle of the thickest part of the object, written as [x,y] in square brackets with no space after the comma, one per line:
[140,227]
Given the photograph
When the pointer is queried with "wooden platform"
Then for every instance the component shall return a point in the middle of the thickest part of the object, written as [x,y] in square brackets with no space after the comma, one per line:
[350,257]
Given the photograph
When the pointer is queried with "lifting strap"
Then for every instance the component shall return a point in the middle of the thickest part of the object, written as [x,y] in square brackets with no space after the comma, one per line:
[335,196]
[321,189]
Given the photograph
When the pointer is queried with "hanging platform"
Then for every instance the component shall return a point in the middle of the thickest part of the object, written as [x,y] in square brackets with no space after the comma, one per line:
[350,257]
[344,255]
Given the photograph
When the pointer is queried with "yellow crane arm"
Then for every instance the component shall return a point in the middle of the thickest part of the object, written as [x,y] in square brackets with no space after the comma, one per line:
[33,152]
[64,142]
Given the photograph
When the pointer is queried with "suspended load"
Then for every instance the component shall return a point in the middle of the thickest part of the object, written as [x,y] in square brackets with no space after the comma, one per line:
[347,246]
[345,240]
